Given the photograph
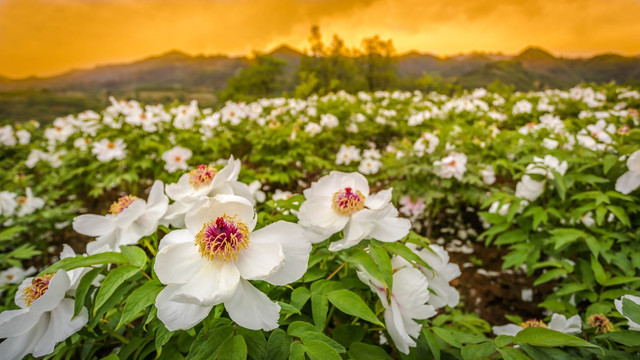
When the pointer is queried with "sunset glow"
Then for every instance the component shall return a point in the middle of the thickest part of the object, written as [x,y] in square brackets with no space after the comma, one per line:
[46,37]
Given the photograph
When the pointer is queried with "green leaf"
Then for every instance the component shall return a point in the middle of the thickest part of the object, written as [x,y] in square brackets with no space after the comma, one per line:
[112,281]
[162,336]
[319,310]
[10,233]
[564,236]
[402,250]
[256,342]
[383,261]
[347,334]
[546,337]
[624,337]
[361,257]
[598,271]
[608,161]
[509,353]
[207,342]
[446,336]
[318,350]
[83,289]
[299,297]
[561,187]
[478,351]
[83,261]
[621,214]
[296,351]
[135,255]
[233,348]
[278,345]
[350,303]
[549,275]
[631,310]
[286,308]
[432,342]
[139,300]
[360,351]
[504,340]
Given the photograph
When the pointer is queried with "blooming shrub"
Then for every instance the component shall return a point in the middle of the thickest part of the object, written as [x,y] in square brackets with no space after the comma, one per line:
[322,228]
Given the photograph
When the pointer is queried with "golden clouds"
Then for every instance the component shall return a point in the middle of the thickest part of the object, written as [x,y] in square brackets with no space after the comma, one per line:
[51,36]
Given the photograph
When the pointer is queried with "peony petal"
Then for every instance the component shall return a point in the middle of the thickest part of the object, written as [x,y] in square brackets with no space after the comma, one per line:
[295,246]
[378,200]
[131,213]
[260,260]
[181,189]
[58,286]
[317,213]
[411,291]
[178,263]
[388,226]
[17,322]
[175,237]
[179,316]
[633,161]
[229,205]
[157,198]
[509,329]
[16,347]
[252,309]
[628,182]
[94,225]
[213,284]
[61,326]
[395,327]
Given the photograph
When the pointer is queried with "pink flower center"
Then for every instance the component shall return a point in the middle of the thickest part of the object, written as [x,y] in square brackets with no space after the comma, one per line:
[122,203]
[37,288]
[202,175]
[347,201]
[223,238]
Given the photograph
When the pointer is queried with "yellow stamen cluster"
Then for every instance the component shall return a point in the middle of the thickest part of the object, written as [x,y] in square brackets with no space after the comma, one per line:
[202,175]
[533,323]
[223,238]
[600,322]
[122,203]
[37,288]
[347,201]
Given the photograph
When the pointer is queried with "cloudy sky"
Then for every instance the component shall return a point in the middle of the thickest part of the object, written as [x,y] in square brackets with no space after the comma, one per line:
[45,37]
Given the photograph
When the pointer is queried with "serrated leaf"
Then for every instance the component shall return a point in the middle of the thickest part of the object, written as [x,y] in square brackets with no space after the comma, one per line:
[350,303]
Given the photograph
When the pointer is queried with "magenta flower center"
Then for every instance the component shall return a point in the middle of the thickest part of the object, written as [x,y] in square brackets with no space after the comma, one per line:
[202,175]
[37,288]
[223,238]
[347,201]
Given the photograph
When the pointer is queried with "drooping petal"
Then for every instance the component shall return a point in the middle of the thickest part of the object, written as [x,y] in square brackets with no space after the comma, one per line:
[395,327]
[628,182]
[260,260]
[295,245]
[94,225]
[61,326]
[411,291]
[179,262]
[17,322]
[252,309]
[179,316]
[213,284]
[157,198]
[16,347]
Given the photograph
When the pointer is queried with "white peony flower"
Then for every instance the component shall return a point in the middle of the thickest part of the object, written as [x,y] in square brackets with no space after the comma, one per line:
[130,219]
[29,203]
[211,261]
[6,136]
[529,189]
[23,136]
[176,158]
[558,322]
[407,302]
[312,128]
[44,319]
[488,175]
[441,273]
[341,201]
[453,165]
[630,180]
[618,304]
[15,275]
[369,166]
[329,121]
[421,147]
[107,150]
[522,107]
[204,180]
[347,154]
[8,203]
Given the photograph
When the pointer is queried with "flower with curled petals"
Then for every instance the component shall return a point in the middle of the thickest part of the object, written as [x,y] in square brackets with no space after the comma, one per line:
[130,218]
[341,201]
[212,260]
[44,319]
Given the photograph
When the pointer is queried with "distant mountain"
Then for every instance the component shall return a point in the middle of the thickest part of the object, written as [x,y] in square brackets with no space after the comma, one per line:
[533,68]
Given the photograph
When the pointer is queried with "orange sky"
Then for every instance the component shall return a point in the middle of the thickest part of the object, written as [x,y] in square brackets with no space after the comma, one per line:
[45,37]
